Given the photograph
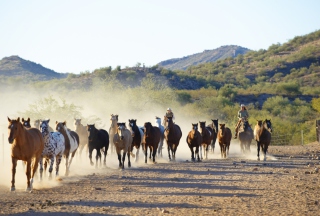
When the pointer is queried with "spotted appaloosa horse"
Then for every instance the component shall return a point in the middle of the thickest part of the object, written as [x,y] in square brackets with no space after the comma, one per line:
[262,134]
[71,143]
[207,135]
[81,130]
[112,131]
[194,140]
[122,141]
[172,135]
[160,126]
[151,139]
[224,139]
[27,145]
[137,135]
[54,146]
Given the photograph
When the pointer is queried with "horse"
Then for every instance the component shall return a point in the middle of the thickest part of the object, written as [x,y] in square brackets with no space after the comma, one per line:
[194,140]
[122,140]
[262,134]
[71,143]
[137,135]
[150,139]
[81,130]
[160,126]
[224,139]
[26,123]
[207,135]
[36,124]
[112,131]
[172,135]
[54,146]
[215,128]
[245,136]
[98,139]
[27,145]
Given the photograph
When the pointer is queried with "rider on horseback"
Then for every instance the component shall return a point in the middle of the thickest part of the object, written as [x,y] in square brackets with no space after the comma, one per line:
[242,114]
[169,113]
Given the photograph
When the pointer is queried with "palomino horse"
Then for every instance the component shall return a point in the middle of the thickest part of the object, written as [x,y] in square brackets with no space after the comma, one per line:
[98,139]
[54,146]
[81,130]
[71,139]
[150,139]
[245,135]
[262,134]
[224,139]
[172,135]
[207,135]
[122,141]
[112,131]
[137,135]
[194,140]
[215,128]
[27,145]
[158,124]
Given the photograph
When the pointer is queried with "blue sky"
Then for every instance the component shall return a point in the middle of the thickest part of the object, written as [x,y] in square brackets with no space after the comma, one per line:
[80,35]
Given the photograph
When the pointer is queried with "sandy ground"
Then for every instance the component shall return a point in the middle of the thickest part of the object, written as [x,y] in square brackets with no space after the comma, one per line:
[286,184]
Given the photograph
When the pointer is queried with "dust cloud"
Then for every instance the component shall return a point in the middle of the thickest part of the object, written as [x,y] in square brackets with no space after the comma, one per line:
[102,104]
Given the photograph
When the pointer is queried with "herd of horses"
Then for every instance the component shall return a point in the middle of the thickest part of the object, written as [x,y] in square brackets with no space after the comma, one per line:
[33,145]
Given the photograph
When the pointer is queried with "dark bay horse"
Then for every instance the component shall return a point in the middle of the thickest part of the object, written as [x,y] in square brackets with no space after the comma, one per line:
[262,134]
[137,135]
[151,139]
[245,135]
[194,140]
[71,139]
[81,130]
[27,145]
[98,140]
[215,128]
[207,135]
[224,139]
[172,135]
[26,122]
[122,140]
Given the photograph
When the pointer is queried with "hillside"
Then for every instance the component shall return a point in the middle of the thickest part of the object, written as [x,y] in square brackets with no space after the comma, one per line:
[14,66]
[206,56]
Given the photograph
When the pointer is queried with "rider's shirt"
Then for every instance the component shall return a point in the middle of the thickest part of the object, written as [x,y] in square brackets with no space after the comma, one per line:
[243,114]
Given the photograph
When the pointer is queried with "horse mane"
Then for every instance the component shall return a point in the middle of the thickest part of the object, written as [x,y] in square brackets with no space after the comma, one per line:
[63,131]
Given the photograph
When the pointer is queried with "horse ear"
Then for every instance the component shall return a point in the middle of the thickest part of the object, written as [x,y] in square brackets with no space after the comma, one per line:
[9,120]
[64,123]
[22,119]
[48,120]
[18,119]
[28,119]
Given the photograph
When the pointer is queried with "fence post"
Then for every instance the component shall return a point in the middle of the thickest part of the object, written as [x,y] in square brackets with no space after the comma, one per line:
[301,137]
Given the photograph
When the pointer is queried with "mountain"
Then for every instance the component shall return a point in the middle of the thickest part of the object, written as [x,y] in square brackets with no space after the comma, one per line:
[14,66]
[206,56]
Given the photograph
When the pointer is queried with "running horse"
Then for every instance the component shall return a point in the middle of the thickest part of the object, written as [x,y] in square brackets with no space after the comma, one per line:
[245,136]
[262,134]
[172,135]
[26,122]
[137,135]
[224,139]
[150,139]
[122,141]
[207,136]
[81,130]
[215,128]
[158,124]
[112,131]
[27,145]
[194,140]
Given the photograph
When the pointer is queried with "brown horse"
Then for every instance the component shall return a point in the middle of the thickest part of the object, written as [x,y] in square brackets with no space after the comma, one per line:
[224,139]
[27,145]
[245,135]
[172,135]
[207,135]
[122,140]
[194,140]
[262,134]
[151,139]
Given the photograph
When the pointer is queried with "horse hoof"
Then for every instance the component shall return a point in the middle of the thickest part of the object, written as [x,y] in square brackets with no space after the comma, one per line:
[29,189]
[91,163]
[258,159]
[13,189]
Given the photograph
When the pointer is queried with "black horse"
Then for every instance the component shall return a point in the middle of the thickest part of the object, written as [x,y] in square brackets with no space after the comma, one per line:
[215,128]
[137,135]
[97,139]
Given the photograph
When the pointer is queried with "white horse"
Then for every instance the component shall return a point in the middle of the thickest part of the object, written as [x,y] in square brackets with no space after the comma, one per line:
[54,146]
[71,142]
[160,126]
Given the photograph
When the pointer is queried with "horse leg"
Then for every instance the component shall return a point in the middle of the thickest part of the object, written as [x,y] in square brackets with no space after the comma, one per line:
[72,155]
[150,149]
[258,150]
[41,167]
[192,153]
[197,153]
[13,172]
[58,161]
[221,150]
[137,155]
[206,151]
[129,162]
[145,153]
[169,152]
[98,154]
[264,148]
[228,146]
[51,167]
[123,158]
[154,154]
[201,151]
[28,173]
[67,167]
[90,156]
[105,156]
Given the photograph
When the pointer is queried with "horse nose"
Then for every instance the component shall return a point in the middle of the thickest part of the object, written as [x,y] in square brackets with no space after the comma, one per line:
[121,137]
[10,140]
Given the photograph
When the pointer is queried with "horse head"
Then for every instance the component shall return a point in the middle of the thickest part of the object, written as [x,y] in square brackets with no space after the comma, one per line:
[44,126]
[37,123]
[158,121]
[26,123]
[169,123]
[194,128]
[113,120]
[61,126]
[132,126]
[202,126]
[120,128]
[14,129]
[222,128]
[268,125]
[92,132]
[215,124]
